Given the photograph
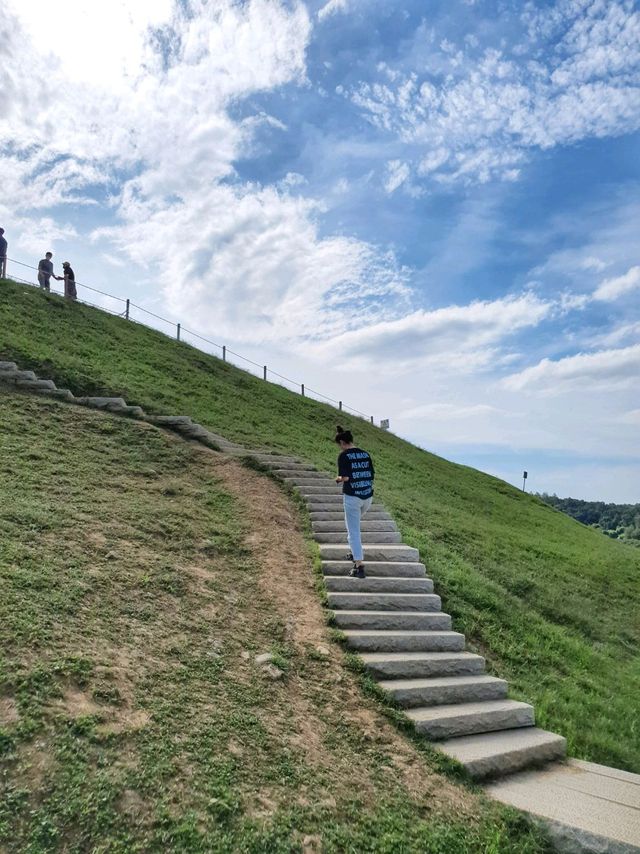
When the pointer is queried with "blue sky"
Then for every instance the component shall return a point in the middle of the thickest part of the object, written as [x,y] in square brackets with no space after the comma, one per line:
[427,209]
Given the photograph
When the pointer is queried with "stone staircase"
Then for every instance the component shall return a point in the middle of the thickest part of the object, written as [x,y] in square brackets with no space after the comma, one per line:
[394,620]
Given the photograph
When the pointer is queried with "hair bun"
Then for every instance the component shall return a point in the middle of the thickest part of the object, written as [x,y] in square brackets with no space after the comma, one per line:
[339,429]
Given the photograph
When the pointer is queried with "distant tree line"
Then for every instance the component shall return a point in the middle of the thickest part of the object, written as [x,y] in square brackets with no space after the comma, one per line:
[618,521]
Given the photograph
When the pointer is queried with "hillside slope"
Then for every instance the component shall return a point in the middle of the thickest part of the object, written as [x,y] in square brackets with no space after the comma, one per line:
[555,607]
[140,576]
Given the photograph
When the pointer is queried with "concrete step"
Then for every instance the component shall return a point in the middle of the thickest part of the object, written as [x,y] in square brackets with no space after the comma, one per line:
[299,474]
[396,554]
[338,526]
[445,690]
[361,601]
[326,502]
[494,754]
[224,443]
[313,486]
[57,393]
[8,366]
[379,569]
[338,516]
[272,461]
[450,721]
[422,665]
[36,385]
[315,490]
[17,376]
[378,586]
[373,537]
[404,641]
[416,621]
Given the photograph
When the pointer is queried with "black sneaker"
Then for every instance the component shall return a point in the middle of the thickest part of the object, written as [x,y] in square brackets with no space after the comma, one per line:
[357,572]
[349,557]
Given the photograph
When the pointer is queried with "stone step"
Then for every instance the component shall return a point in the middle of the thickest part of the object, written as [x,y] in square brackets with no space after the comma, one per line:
[422,665]
[111,404]
[36,385]
[372,537]
[387,585]
[417,621]
[396,554]
[450,721]
[495,754]
[315,490]
[365,601]
[313,486]
[272,461]
[338,526]
[404,641]
[445,690]
[379,569]
[297,474]
[17,376]
[338,516]
[57,393]
[332,503]
[8,366]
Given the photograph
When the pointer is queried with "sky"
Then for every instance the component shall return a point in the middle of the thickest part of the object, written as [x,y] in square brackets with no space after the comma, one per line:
[427,208]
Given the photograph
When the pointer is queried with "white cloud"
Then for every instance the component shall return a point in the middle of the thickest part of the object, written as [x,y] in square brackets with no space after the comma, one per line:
[611,289]
[631,417]
[450,412]
[477,119]
[607,370]
[333,7]
[251,264]
[397,174]
[456,339]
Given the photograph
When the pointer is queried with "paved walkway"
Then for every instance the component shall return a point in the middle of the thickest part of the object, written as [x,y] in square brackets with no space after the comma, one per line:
[587,807]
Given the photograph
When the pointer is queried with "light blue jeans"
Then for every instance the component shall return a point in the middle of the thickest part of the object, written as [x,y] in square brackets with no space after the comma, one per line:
[354,509]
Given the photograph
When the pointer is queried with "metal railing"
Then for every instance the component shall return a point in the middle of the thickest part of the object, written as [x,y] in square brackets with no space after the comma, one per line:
[129,308]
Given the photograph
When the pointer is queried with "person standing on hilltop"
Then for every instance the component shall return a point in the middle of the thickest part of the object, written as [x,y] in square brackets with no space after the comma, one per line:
[69,281]
[45,272]
[356,474]
[4,247]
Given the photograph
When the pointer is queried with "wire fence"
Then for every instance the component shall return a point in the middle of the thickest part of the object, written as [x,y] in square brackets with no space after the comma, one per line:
[129,309]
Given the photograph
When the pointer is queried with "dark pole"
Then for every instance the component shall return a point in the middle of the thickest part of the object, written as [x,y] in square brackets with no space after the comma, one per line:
[224,353]
[265,372]
[126,311]
[178,331]
[302,389]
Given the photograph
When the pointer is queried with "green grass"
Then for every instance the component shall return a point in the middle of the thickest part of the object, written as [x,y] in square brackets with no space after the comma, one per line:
[132,716]
[553,605]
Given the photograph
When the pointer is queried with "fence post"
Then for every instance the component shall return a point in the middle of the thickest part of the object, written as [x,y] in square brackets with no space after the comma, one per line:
[340,405]
[224,352]
[265,372]
[372,419]
[178,331]
[302,389]
[126,311]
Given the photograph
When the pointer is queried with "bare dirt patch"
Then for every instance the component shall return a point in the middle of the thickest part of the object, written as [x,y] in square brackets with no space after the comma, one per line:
[9,714]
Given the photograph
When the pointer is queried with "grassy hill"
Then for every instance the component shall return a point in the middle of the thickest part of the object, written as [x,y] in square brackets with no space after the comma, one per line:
[139,577]
[554,606]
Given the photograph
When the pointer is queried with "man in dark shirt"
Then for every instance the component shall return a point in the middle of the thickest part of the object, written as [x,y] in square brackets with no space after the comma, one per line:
[45,271]
[69,281]
[4,246]
[355,473]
